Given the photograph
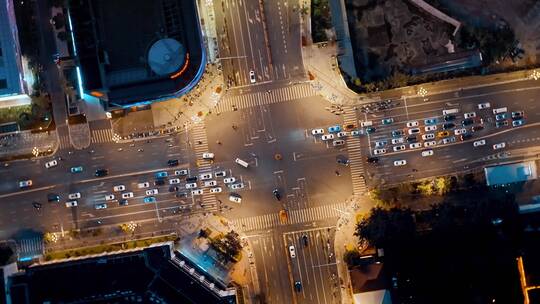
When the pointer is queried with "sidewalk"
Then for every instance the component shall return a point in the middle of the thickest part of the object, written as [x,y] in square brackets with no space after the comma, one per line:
[23,144]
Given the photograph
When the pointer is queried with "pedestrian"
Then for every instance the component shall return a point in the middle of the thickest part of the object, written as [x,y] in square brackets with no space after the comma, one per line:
[337,172]
[218,142]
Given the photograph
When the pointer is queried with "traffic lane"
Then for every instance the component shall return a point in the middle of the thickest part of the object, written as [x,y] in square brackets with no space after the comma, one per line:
[259,54]
[235,23]
[278,23]
[229,65]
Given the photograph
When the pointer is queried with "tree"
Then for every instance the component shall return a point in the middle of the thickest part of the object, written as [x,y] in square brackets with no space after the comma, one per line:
[443,185]
[351,257]
[386,227]
[229,244]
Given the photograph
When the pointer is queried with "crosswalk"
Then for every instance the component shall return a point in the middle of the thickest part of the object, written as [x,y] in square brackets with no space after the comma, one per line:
[64,142]
[101,136]
[297,216]
[28,249]
[292,92]
[356,163]
[200,145]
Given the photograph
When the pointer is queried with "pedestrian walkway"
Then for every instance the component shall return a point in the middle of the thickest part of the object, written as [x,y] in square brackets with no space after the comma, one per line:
[356,162]
[291,92]
[64,142]
[297,216]
[200,146]
[28,249]
[101,136]
[25,143]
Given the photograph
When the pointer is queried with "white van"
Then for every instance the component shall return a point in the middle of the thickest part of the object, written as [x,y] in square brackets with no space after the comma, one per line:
[450,111]
[367,123]
[241,162]
[500,110]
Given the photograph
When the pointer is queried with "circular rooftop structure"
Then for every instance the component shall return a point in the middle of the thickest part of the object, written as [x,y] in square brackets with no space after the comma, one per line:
[166,56]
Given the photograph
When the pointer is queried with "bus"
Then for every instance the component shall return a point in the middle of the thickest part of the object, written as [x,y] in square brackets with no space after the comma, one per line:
[241,162]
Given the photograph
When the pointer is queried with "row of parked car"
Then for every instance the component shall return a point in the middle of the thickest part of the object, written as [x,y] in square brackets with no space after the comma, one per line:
[337,134]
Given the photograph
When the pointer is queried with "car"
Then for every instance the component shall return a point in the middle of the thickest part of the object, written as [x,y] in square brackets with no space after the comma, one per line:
[208,155]
[415,145]
[477,128]
[411,138]
[216,190]
[469,115]
[499,146]
[517,115]
[317,131]
[460,131]
[339,142]
[174,181]
[70,204]
[298,286]
[181,195]
[211,183]
[100,206]
[197,192]
[500,124]
[160,175]
[173,188]
[479,143]
[428,136]
[25,183]
[372,159]
[77,169]
[53,197]
[467,122]
[205,176]
[50,164]
[327,137]
[341,134]
[119,188]
[397,133]
[75,195]
[334,129]
[172,162]
[123,202]
[443,134]
[517,123]
[466,136]
[379,151]
[430,128]
[357,132]
[396,141]
[448,140]
[276,194]
[151,191]
[143,185]
[427,153]
[399,148]
[236,186]
[127,195]
[414,131]
[387,121]
[159,182]
[380,143]
[349,127]
[411,124]
[370,130]
[484,105]
[400,162]
[430,121]
[109,197]
[448,126]
[252,77]
[191,185]
[430,143]
[191,179]
[501,116]
[181,172]
[101,172]
[235,198]
[292,252]
[149,199]
[449,117]
[229,180]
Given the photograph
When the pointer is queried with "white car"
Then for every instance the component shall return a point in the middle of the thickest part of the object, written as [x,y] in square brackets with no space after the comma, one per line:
[339,142]
[197,192]
[484,105]
[357,132]
[127,195]
[143,185]
[235,199]
[460,131]
[220,174]
[317,131]
[109,197]
[205,176]
[211,183]
[229,180]
[469,115]
[191,185]
[399,148]
[71,204]
[252,76]
[400,162]
[430,143]
[25,183]
[411,124]
[415,145]
[427,153]
[100,206]
[292,252]
[181,172]
[174,181]
[479,143]
[151,191]
[327,137]
[237,186]
[341,134]
[430,128]
[52,163]
[215,190]
[448,140]
[396,141]
[414,131]
[119,188]
[428,136]
[499,146]
[76,195]
[208,155]
[379,151]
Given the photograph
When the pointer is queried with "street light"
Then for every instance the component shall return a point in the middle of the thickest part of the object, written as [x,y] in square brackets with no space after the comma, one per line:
[35,152]
[422,92]
[116,137]
[535,75]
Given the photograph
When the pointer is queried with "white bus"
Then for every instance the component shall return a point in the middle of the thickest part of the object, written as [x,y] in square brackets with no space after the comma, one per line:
[241,162]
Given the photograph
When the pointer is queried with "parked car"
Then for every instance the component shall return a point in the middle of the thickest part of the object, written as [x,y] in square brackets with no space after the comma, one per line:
[397,133]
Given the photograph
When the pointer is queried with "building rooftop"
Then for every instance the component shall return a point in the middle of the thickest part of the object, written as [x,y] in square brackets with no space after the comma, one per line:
[10,61]
[511,173]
